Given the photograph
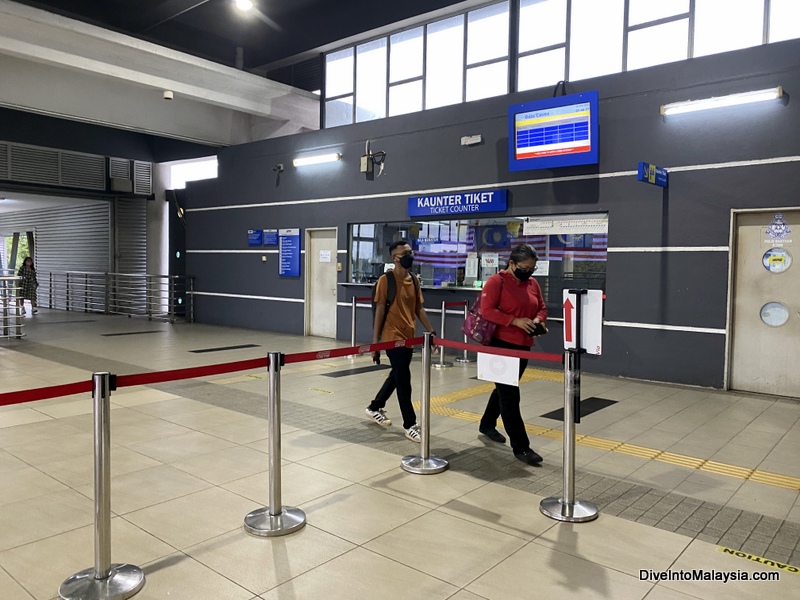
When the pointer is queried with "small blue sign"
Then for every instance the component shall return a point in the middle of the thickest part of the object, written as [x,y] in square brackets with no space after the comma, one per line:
[652,174]
[270,237]
[458,203]
[289,252]
[253,237]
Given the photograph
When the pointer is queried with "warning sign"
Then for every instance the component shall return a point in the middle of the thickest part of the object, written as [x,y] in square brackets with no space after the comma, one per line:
[760,560]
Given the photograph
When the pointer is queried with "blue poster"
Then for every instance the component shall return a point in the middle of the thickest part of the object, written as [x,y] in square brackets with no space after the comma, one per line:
[650,173]
[458,203]
[289,252]
[270,237]
[253,237]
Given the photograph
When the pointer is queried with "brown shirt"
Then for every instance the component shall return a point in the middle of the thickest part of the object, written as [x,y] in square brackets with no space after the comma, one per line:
[401,320]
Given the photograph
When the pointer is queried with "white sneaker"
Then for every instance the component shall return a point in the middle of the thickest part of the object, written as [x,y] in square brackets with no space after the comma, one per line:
[379,416]
[413,434]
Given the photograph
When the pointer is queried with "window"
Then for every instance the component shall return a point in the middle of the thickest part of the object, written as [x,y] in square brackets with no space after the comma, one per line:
[371,81]
[488,80]
[487,41]
[339,73]
[444,62]
[595,38]
[182,172]
[721,25]
[406,55]
[540,70]
[658,44]
[339,112]
[644,11]
[542,23]
[405,98]
[784,20]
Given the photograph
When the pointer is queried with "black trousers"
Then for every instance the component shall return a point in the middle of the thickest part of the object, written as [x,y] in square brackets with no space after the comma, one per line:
[504,402]
[399,379]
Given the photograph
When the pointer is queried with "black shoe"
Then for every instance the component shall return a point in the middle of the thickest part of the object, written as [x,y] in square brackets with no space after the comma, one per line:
[493,434]
[529,456]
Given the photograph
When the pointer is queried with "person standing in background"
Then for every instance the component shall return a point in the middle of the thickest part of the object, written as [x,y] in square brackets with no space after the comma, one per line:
[28,285]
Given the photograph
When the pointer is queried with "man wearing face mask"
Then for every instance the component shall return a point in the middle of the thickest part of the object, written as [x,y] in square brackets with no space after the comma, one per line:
[398,323]
[513,300]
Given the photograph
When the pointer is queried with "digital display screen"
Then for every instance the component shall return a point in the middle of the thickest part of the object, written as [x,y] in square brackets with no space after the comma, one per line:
[555,132]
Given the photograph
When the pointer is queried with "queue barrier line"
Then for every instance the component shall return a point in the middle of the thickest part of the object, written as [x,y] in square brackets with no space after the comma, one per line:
[542,356]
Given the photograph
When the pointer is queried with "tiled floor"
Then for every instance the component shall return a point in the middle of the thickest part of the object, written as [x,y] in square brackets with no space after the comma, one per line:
[678,474]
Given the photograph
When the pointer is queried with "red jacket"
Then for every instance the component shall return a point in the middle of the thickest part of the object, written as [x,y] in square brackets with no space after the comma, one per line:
[503,300]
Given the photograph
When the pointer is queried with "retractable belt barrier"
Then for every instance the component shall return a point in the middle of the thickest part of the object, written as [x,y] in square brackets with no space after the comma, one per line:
[543,356]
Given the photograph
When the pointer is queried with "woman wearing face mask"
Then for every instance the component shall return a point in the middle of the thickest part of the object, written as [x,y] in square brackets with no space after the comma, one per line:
[28,285]
[512,300]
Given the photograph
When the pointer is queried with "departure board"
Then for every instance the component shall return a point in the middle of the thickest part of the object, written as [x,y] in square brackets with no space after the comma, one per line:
[553,131]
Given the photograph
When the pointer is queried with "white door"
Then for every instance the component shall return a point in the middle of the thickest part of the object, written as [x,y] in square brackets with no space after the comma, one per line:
[765,343]
[321,282]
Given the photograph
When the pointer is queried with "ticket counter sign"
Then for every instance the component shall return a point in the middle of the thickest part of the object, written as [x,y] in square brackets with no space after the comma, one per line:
[458,203]
[591,309]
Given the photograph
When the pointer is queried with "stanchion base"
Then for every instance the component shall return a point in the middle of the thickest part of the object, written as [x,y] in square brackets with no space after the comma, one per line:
[464,360]
[424,466]
[577,512]
[260,522]
[125,581]
[445,365]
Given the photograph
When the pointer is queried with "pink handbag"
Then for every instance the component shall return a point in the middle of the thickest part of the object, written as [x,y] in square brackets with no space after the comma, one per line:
[476,327]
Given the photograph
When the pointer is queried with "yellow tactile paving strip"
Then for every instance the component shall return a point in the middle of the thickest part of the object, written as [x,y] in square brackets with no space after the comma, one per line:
[440,405]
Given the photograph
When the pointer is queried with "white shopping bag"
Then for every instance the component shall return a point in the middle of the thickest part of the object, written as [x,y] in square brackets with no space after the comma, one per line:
[500,369]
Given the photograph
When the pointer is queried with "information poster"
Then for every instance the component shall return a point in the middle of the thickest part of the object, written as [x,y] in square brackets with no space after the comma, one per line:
[253,237]
[270,237]
[289,252]
[472,265]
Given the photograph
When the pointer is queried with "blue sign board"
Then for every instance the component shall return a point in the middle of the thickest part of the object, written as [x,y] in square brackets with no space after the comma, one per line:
[270,237]
[253,237]
[458,203]
[652,174]
[289,252]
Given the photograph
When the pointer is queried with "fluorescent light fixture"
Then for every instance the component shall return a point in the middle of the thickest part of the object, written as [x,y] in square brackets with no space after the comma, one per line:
[316,160]
[677,108]
[244,5]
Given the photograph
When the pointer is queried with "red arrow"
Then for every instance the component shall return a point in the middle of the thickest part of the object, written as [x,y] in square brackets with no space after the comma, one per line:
[568,320]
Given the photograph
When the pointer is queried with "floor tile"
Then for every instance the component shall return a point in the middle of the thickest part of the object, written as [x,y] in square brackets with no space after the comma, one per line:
[35,432]
[9,462]
[22,416]
[505,509]
[23,484]
[139,395]
[194,518]
[662,593]
[79,471]
[446,547]
[44,516]
[180,577]
[764,499]
[359,514]
[343,579]
[635,546]
[428,490]
[299,485]
[299,445]
[241,557]
[223,466]
[242,433]
[10,589]
[701,553]
[148,487]
[465,595]
[181,447]
[356,463]
[71,552]
[45,451]
[556,575]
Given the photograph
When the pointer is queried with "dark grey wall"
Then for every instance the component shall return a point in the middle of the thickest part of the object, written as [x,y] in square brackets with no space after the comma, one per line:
[423,153]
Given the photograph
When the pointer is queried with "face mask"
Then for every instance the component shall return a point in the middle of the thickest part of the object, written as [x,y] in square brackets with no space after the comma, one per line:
[522,274]
[406,261]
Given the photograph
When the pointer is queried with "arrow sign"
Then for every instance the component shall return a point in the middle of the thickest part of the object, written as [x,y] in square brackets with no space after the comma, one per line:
[568,307]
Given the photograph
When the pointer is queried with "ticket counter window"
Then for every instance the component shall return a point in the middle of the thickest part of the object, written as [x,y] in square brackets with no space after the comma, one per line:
[572,250]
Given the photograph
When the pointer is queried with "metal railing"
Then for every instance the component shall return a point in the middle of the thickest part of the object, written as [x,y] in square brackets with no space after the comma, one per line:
[157,297]
[11,322]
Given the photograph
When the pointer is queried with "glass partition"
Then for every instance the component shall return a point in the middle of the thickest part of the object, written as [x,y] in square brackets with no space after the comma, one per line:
[464,253]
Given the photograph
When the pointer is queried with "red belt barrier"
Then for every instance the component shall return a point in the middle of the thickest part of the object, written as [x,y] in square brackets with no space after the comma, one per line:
[545,356]
[191,372]
[364,299]
[462,303]
[53,391]
[364,349]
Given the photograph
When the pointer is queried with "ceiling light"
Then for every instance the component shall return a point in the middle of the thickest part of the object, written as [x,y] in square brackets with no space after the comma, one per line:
[677,108]
[316,160]
[244,4]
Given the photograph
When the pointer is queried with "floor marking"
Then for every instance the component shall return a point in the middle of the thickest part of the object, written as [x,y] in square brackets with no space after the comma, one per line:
[759,559]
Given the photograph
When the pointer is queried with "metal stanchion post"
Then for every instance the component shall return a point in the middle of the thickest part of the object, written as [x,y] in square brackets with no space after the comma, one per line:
[105,581]
[567,508]
[274,520]
[353,322]
[442,364]
[465,359]
[425,464]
